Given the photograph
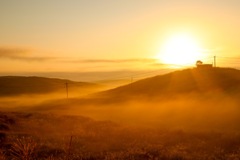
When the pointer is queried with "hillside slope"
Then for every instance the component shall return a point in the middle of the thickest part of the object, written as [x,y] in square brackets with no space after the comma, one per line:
[186,81]
[16,85]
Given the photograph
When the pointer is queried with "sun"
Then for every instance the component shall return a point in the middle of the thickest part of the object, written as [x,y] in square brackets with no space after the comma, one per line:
[180,49]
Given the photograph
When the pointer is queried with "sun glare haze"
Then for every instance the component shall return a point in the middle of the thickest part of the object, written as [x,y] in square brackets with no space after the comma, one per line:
[180,49]
[62,36]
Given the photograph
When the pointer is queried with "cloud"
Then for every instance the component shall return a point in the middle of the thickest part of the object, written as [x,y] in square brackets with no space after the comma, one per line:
[24,54]
[112,61]
[12,52]
[21,54]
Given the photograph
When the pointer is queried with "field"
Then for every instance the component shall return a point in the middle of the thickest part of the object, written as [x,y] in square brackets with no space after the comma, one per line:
[47,136]
[125,123]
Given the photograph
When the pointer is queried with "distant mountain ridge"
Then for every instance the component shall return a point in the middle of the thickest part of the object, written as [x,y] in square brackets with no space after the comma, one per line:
[182,82]
[16,85]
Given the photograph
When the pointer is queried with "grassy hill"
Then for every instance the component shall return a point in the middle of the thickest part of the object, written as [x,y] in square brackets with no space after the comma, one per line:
[187,84]
[198,118]
[16,85]
[225,80]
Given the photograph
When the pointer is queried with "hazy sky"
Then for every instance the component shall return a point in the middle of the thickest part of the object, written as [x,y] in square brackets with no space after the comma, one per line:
[84,35]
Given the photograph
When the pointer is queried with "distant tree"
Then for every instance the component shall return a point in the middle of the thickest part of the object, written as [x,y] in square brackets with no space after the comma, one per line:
[199,63]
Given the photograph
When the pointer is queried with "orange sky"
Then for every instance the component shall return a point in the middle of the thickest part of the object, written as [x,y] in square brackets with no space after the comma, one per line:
[83,35]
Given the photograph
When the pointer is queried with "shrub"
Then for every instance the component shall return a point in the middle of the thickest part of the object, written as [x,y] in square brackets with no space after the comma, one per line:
[23,148]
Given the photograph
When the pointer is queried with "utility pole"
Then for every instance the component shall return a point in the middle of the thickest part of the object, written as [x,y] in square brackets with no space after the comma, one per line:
[214,61]
[66,88]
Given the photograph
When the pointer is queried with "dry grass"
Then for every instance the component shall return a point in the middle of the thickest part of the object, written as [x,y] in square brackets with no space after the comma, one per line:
[23,148]
[127,145]
[2,155]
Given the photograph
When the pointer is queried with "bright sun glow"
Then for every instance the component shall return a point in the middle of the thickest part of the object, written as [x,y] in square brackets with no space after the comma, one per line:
[180,49]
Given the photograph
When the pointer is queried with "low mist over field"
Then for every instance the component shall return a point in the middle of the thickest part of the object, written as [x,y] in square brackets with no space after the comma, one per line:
[187,99]
[184,108]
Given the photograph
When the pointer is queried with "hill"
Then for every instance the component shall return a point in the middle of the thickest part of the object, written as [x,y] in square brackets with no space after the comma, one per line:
[185,84]
[189,86]
[132,122]
[187,81]
[18,85]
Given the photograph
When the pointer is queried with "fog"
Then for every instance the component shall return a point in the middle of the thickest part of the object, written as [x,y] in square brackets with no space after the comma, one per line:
[208,112]
[164,127]
[184,112]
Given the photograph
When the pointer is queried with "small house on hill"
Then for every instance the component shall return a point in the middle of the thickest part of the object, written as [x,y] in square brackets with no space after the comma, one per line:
[200,65]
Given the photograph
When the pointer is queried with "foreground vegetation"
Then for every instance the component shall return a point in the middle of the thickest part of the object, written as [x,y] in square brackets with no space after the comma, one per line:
[26,136]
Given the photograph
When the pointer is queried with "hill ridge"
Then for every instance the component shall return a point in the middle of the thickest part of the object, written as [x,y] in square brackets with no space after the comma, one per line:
[16,85]
[184,81]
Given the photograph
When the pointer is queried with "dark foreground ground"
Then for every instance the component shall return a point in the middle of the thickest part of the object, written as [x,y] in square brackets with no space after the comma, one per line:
[32,136]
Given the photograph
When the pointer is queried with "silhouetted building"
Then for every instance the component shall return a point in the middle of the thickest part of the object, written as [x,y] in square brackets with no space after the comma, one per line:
[200,65]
